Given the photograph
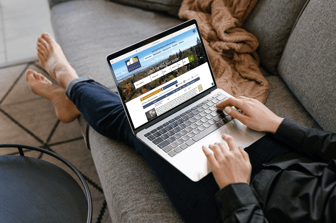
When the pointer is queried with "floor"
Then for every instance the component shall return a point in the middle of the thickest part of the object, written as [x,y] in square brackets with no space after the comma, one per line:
[26,118]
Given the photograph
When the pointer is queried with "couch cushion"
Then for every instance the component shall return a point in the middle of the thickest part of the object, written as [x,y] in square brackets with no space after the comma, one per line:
[284,103]
[308,64]
[102,28]
[170,6]
[271,22]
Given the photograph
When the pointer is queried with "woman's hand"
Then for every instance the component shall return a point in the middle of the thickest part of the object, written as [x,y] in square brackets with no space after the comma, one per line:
[228,165]
[256,115]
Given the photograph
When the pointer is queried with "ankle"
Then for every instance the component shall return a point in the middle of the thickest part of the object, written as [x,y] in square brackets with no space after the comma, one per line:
[65,77]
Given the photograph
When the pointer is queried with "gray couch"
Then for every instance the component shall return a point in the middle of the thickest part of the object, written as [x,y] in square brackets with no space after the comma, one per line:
[298,58]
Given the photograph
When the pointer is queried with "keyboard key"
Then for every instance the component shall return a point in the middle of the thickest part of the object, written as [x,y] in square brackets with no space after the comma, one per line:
[190,115]
[188,129]
[182,126]
[193,120]
[197,117]
[191,134]
[172,153]
[184,114]
[183,146]
[199,122]
[168,148]
[195,112]
[228,118]
[178,150]
[185,137]
[201,128]
[170,133]
[156,134]
[193,126]
[168,128]
[160,127]
[215,101]
[211,122]
[214,113]
[190,142]
[188,123]
[183,132]
[205,106]
[196,131]
[163,144]
[202,114]
[204,119]
[147,134]
[209,117]
[174,144]
[216,119]
[205,133]
[213,108]
[179,141]
[151,137]
[157,141]
[177,136]
[208,111]
[153,131]
[171,139]
[165,124]
[176,129]
[165,136]
[206,125]
[221,97]
[220,123]
[162,131]
[210,103]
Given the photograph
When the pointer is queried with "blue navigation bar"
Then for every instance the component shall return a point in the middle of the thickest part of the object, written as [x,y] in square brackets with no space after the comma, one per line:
[170,93]
[169,85]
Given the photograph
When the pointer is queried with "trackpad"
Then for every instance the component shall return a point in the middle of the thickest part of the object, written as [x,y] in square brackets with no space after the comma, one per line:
[242,139]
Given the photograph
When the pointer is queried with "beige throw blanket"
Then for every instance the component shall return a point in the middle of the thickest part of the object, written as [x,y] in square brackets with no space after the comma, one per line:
[231,49]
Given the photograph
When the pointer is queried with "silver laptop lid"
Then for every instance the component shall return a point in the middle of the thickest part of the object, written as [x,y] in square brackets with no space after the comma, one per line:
[160,75]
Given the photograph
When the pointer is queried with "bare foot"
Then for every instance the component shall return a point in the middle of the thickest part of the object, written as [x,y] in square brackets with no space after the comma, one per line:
[65,109]
[53,60]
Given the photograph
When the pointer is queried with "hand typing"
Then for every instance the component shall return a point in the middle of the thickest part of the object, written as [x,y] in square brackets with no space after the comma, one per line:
[228,165]
[256,115]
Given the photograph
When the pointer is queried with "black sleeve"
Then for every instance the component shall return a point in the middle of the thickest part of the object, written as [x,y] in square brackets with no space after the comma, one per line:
[313,142]
[237,203]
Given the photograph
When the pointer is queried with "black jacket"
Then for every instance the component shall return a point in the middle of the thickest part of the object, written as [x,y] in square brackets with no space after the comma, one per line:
[290,188]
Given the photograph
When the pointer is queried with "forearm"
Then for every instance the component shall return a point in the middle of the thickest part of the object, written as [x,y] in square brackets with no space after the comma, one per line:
[311,141]
[238,204]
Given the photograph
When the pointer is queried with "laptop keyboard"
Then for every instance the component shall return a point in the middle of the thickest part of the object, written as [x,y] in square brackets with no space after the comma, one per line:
[184,130]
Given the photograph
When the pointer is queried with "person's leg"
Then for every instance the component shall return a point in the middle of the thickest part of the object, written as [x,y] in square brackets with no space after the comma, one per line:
[104,112]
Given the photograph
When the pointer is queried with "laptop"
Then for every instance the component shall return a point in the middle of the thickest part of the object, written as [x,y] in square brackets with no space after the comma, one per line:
[169,95]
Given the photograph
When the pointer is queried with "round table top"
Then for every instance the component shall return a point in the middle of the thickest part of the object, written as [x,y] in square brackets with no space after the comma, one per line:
[33,190]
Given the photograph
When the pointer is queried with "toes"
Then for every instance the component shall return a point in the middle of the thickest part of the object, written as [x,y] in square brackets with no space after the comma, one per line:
[42,46]
[47,38]
[40,51]
[30,75]
[40,56]
[42,42]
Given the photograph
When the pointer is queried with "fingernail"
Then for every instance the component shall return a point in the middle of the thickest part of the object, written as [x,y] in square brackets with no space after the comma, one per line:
[227,110]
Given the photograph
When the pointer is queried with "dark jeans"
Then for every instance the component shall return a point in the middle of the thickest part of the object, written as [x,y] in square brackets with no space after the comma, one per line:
[194,201]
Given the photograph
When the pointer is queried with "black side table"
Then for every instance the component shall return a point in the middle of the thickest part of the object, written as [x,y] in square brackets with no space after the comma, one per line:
[33,190]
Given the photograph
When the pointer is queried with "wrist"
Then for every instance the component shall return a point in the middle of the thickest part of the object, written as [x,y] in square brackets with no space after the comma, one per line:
[275,124]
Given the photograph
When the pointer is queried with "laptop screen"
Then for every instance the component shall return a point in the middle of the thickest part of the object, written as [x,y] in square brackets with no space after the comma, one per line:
[161,75]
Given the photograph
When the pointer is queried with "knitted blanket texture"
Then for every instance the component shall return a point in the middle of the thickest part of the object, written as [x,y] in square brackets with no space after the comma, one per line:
[231,49]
